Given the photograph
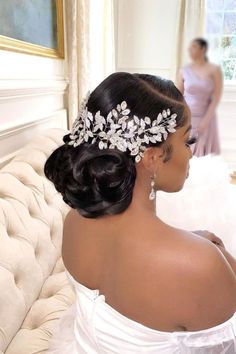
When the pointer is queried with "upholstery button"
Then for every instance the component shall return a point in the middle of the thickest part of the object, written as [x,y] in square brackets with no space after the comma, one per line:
[22,180]
[48,201]
[32,213]
[39,171]
[52,234]
[34,326]
[16,279]
[10,233]
[36,252]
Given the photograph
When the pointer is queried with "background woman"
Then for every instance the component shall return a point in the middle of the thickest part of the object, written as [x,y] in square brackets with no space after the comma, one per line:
[201,84]
[142,286]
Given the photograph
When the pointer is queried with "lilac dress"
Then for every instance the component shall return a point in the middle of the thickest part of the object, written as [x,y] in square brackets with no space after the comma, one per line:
[198,93]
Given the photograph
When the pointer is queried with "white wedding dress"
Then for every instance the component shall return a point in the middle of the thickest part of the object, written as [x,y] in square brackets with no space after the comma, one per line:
[91,326]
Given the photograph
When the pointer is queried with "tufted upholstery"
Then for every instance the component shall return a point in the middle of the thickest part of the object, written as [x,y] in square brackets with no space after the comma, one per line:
[34,290]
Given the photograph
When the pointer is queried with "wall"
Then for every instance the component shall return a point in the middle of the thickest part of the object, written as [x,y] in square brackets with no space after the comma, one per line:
[141,29]
[32,97]
[145,41]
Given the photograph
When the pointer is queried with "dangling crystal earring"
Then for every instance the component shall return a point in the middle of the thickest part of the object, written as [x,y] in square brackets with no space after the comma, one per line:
[152,194]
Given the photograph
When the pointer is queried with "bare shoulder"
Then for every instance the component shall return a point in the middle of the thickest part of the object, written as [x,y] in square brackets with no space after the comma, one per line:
[214,285]
[215,69]
[207,260]
[197,279]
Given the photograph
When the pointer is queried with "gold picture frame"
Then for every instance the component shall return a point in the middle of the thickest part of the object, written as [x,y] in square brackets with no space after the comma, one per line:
[8,43]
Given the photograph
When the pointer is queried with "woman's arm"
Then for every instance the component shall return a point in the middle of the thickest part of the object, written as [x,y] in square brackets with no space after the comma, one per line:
[218,242]
[180,81]
[218,85]
[231,260]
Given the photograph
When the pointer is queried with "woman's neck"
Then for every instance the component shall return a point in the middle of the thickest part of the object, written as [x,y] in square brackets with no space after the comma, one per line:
[140,202]
[199,62]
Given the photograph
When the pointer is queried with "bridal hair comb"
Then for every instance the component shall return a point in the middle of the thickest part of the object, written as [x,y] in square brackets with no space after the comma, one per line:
[121,131]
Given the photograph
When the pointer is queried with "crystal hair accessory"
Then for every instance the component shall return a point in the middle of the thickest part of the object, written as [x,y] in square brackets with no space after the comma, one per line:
[121,131]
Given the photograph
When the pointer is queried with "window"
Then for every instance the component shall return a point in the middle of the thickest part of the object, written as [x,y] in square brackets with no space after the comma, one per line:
[221,34]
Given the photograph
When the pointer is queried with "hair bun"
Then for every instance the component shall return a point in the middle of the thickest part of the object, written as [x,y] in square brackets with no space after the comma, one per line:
[95,182]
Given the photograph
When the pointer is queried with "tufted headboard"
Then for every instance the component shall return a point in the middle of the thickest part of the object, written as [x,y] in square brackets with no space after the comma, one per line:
[31,221]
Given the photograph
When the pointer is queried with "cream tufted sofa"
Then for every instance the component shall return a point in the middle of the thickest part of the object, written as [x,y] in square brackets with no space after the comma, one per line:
[34,290]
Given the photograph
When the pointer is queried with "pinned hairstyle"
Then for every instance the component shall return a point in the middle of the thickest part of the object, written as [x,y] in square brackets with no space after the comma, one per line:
[100,182]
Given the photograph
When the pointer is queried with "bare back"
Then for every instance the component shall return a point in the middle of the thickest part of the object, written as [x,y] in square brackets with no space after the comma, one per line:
[150,272]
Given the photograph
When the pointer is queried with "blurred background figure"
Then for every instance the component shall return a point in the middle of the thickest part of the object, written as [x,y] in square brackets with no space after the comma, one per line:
[201,83]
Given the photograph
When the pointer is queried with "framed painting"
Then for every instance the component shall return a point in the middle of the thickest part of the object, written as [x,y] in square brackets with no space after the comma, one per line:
[33,27]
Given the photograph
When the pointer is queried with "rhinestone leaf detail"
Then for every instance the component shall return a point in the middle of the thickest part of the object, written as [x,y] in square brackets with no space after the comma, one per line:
[120,130]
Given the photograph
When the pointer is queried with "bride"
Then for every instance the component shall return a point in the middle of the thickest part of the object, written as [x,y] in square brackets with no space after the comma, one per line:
[142,285]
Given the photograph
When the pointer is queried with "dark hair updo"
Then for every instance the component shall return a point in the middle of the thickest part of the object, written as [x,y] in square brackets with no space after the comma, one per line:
[100,182]
[202,44]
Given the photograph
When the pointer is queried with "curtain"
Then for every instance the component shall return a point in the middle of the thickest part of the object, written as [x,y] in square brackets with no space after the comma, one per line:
[189,25]
[90,48]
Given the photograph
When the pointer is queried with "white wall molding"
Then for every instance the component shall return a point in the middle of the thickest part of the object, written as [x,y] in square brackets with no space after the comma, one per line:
[59,116]
[23,101]
[15,89]
[13,138]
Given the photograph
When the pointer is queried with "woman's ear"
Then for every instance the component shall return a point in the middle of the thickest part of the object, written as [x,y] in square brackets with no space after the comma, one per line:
[152,158]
